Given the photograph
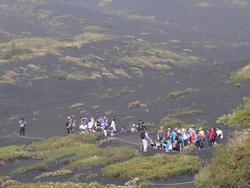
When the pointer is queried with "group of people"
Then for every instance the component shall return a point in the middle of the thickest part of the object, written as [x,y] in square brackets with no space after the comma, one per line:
[169,140]
[102,124]
[175,140]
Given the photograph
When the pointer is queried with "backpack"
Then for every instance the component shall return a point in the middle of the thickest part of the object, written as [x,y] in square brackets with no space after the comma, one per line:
[142,135]
[22,123]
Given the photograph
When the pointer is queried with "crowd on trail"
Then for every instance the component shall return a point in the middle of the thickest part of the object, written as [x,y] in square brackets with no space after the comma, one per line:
[91,125]
[170,140]
[177,139]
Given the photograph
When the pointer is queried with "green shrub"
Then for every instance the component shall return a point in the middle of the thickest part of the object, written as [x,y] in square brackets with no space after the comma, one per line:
[43,165]
[74,151]
[9,183]
[229,167]
[15,152]
[241,75]
[156,167]
[13,52]
[59,75]
[179,93]
[241,118]
[184,112]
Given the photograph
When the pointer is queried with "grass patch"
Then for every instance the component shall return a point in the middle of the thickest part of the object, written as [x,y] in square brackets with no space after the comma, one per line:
[184,112]
[179,93]
[59,75]
[112,93]
[241,75]
[13,52]
[15,152]
[137,17]
[9,183]
[28,48]
[74,152]
[41,166]
[229,167]
[136,104]
[241,118]
[77,105]
[104,3]
[105,156]
[156,167]
[142,54]
[60,172]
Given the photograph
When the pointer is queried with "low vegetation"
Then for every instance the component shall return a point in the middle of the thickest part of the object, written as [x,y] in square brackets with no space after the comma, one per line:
[179,93]
[241,75]
[73,152]
[9,183]
[156,167]
[230,165]
[28,48]
[113,92]
[240,118]
[184,112]
[104,3]
[209,3]
[15,152]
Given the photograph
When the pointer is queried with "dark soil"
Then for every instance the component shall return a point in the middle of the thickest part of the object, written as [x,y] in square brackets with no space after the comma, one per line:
[213,94]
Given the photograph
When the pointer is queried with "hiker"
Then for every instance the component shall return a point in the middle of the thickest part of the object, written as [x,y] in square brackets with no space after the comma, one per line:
[197,140]
[144,137]
[113,127]
[161,134]
[219,136]
[22,124]
[69,124]
[140,126]
[202,137]
[90,125]
[174,136]
[185,137]
[133,128]
[176,146]
[82,128]
[168,145]
[212,137]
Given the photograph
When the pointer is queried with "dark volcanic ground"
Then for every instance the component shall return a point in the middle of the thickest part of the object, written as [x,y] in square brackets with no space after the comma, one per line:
[219,34]
[52,98]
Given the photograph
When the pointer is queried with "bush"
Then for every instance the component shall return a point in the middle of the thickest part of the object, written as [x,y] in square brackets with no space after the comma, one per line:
[9,183]
[179,93]
[241,118]
[59,75]
[241,75]
[73,151]
[156,167]
[13,51]
[229,167]
[15,152]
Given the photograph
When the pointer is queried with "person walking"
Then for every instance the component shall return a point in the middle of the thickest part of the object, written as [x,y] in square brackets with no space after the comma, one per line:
[145,138]
[69,124]
[22,124]
[161,134]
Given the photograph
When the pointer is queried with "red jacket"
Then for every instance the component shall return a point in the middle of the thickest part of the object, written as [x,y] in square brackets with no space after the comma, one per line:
[212,135]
